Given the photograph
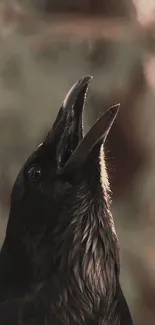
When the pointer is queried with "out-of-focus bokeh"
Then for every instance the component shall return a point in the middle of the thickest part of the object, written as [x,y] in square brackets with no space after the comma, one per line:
[45,46]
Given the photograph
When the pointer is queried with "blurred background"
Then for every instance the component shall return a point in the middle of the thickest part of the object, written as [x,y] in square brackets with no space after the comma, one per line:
[45,46]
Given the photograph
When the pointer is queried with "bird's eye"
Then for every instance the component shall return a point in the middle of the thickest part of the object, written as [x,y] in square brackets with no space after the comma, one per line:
[34,173]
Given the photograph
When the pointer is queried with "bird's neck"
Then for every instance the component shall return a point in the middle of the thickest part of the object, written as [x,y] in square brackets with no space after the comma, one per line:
[91,242]
[95,248]
[87,265]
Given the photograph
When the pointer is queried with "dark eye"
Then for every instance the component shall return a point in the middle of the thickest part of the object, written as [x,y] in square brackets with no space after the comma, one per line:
[34,173]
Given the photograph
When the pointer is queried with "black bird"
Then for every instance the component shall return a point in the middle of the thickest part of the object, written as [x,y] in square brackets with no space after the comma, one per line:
[59,263]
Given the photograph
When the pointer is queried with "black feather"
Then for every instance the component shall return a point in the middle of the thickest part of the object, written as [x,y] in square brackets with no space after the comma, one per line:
[59,263]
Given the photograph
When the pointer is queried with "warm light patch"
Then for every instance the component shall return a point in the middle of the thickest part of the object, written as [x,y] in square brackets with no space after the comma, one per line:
[105,186]
[145,11]
[103,171]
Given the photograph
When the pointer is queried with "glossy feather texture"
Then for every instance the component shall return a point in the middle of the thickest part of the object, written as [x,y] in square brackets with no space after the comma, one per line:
[59,263]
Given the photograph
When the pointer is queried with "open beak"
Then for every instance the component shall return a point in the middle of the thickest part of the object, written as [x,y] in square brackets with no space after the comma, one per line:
[66,138]
[67,130]
[98,132]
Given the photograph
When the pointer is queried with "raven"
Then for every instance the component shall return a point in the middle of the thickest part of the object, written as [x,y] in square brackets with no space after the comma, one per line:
[59,263]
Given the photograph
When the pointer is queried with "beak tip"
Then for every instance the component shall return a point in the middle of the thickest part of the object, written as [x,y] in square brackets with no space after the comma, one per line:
[114,110]
[75,90]
[85,80]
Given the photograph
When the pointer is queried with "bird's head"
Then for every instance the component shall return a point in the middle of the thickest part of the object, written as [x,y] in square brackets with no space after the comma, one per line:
[59,189]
